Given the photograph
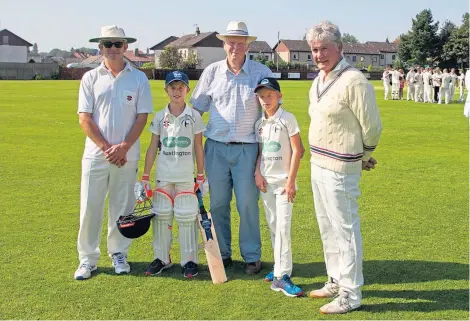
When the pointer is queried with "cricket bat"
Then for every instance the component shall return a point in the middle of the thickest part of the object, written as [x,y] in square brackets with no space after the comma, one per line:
[211,245]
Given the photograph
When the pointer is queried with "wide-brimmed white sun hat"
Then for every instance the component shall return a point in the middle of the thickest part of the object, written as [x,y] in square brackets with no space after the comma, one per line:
[236,29]
[113,33]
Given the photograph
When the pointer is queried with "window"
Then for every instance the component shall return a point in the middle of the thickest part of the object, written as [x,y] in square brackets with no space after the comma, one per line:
[362,58]
[295,57]
[382,56]
[374,59]
[309,57]
[5,40]
[266,56]
[393,57]
[353,58]
[251,57]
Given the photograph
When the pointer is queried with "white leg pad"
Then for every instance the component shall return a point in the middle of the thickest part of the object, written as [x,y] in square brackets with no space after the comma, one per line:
[186,210]
[162,225]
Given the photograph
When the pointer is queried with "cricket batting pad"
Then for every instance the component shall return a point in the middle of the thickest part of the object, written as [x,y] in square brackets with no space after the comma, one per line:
[186,210]
[162,225]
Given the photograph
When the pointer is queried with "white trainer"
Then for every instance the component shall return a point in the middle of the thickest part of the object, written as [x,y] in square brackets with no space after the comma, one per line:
[330,290]
[341,304]
[120,263]
[84,271]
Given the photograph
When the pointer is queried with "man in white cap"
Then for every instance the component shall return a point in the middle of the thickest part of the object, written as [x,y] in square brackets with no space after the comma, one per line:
[226,90]
[113,104]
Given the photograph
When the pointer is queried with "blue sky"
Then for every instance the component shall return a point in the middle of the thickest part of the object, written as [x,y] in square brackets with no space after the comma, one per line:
[64,24]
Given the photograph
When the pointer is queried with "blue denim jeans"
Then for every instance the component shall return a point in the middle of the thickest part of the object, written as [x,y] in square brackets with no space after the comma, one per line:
[232,166]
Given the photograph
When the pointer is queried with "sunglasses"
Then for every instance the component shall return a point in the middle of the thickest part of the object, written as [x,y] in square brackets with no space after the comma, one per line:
[109,44]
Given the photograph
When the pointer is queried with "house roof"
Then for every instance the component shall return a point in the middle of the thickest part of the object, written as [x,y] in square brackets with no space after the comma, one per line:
[162,44]
[140,57]
[129,56]
[384,46]
[80,55]
[21,41]
[369,48]
[192,40]
[259,46]
[295,45]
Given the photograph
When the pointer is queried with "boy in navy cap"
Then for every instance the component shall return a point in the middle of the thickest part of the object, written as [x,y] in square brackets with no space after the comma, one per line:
[278,161]
[179,129]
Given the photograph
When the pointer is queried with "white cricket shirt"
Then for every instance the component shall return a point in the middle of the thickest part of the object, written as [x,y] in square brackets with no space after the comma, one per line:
[114,104]
[274,134]
[446,78]
[175,163]
[454,79]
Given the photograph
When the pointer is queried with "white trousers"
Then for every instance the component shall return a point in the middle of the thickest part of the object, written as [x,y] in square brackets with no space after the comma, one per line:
[278,215]
[427,94]
[100,178]
[410,93]
[335,198]
[162,227]
[444,94]
[418,93]
[451,92]
[387,89]
[462,94]
[395,90]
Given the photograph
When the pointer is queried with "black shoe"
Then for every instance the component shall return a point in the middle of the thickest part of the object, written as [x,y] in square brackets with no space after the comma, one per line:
[253,267]
[227,262]
[190,270]
[156,267]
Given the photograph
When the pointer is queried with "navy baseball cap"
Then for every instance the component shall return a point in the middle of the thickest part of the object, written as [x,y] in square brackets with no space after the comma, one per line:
[176,76]
[268,82]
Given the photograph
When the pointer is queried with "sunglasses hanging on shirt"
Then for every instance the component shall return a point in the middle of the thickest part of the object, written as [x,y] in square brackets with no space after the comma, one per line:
[109,44]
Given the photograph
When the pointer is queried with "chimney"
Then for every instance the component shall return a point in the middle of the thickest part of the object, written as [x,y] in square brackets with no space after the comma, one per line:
[148,51]
[136,52]
[198,32]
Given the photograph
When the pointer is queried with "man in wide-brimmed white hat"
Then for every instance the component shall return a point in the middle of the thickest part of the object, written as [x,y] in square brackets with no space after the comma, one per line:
[226,90]
[113,104]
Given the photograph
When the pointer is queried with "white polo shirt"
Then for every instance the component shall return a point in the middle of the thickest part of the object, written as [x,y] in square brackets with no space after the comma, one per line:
[454,78]
[175,163]
[114,103]
[274,133]
[426,78]
[436,80]
[446,78]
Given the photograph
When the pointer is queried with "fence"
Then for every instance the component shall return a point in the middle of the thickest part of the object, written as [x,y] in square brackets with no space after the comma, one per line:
[26,71]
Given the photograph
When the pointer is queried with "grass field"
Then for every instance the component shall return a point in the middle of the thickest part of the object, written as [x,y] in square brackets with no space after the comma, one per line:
[414,210]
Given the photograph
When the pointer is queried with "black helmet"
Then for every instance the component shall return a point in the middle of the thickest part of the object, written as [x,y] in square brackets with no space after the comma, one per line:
[136,223]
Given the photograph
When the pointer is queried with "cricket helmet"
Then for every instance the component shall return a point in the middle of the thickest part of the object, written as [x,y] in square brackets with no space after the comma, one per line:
[137,223]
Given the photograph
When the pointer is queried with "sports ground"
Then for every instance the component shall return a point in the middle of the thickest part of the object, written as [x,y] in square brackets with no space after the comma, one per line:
[414,215]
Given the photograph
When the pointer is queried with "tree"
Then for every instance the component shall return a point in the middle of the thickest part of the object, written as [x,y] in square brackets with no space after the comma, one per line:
[444,35]
[191,62]
[261,58]
[404,47]
[148,65]
[35,50]
[457,45]
[170,58]
[348,38]
[423,39]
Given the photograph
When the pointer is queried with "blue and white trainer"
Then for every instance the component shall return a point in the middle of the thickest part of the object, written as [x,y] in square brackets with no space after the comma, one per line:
[120,263]
[286,286]
[84,271]
[269,277]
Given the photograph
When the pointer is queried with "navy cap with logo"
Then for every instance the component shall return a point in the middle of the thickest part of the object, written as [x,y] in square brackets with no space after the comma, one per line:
[176,76]
[268,82]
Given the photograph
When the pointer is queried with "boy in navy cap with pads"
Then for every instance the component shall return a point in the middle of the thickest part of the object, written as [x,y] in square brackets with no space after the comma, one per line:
[278,161]
[179,129]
